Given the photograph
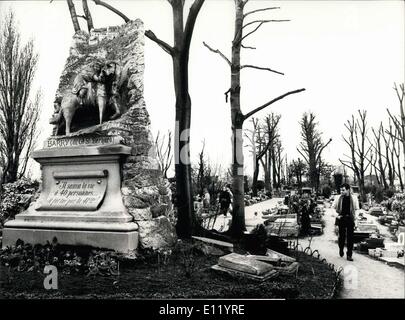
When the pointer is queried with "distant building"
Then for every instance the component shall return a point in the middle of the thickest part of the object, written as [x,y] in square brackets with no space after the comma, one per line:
[371,179]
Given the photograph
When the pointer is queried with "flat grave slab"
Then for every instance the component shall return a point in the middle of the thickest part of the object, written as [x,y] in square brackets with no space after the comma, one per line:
[239,274]
[244,264]
[399,262]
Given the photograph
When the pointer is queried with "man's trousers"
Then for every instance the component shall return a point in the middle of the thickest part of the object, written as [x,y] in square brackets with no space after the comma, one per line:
[346,230]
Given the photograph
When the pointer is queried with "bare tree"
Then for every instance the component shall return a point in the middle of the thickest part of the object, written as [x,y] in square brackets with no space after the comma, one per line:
[209,176]
[179,53]
[399,121]
[380,166]
[164,151]
[356,141]
[271,122]
[372,164]
[19,114]
[298,169]
[311,147]
[268,162]
[180,57]
[326,171]
[251,136]
[277,162]
[262,139]
[237,117]
[388,158]
[396,151]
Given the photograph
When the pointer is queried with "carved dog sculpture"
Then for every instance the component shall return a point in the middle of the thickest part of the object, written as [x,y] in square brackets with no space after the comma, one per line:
[96,97]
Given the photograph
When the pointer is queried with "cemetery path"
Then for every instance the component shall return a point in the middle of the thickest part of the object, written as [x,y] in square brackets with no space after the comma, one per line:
[375,279]
[251,220]
[370,278]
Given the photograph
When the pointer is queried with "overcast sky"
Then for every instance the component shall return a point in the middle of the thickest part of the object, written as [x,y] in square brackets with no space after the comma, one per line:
[347,54]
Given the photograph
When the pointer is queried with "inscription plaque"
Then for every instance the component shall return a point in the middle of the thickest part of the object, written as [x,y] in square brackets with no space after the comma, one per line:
[76,191]
[68,142]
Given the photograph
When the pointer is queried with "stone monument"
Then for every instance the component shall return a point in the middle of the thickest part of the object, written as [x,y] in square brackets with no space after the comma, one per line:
[101,182]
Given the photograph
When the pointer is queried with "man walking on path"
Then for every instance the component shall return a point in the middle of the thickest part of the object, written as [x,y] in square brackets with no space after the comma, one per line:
[346,206]
[225,200]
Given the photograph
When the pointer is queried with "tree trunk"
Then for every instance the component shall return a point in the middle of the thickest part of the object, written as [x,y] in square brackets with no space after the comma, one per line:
[377,175]
[185,207]
[255,177]
[238,219]
[88,15]
[400,174]
[186,225]
[270,170]
[312,171]
[73,15]
[390,171]
[238,214]
[380,165]
[265,165]
[274,168]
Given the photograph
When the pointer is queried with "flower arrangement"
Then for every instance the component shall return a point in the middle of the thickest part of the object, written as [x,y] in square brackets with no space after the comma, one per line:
[24,257]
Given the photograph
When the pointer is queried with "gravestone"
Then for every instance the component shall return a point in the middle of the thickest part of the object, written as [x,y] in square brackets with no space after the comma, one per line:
[238,265]
[101,182]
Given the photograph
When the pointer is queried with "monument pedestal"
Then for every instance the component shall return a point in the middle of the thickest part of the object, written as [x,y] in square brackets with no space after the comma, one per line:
[80,201]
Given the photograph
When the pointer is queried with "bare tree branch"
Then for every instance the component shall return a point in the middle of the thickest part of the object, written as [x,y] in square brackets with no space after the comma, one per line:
[261,23]
[218,52]
[303,155]
[347,164]
[247,47]
[260,68]
[259,10]
[166,47]
[109,7]
[321,149]
[271,102]
[191,18]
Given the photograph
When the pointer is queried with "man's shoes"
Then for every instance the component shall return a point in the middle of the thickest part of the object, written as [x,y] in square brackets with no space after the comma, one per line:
[350,258]
[341,253]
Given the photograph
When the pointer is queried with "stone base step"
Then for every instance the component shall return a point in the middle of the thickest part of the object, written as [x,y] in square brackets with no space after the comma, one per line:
[123,242]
